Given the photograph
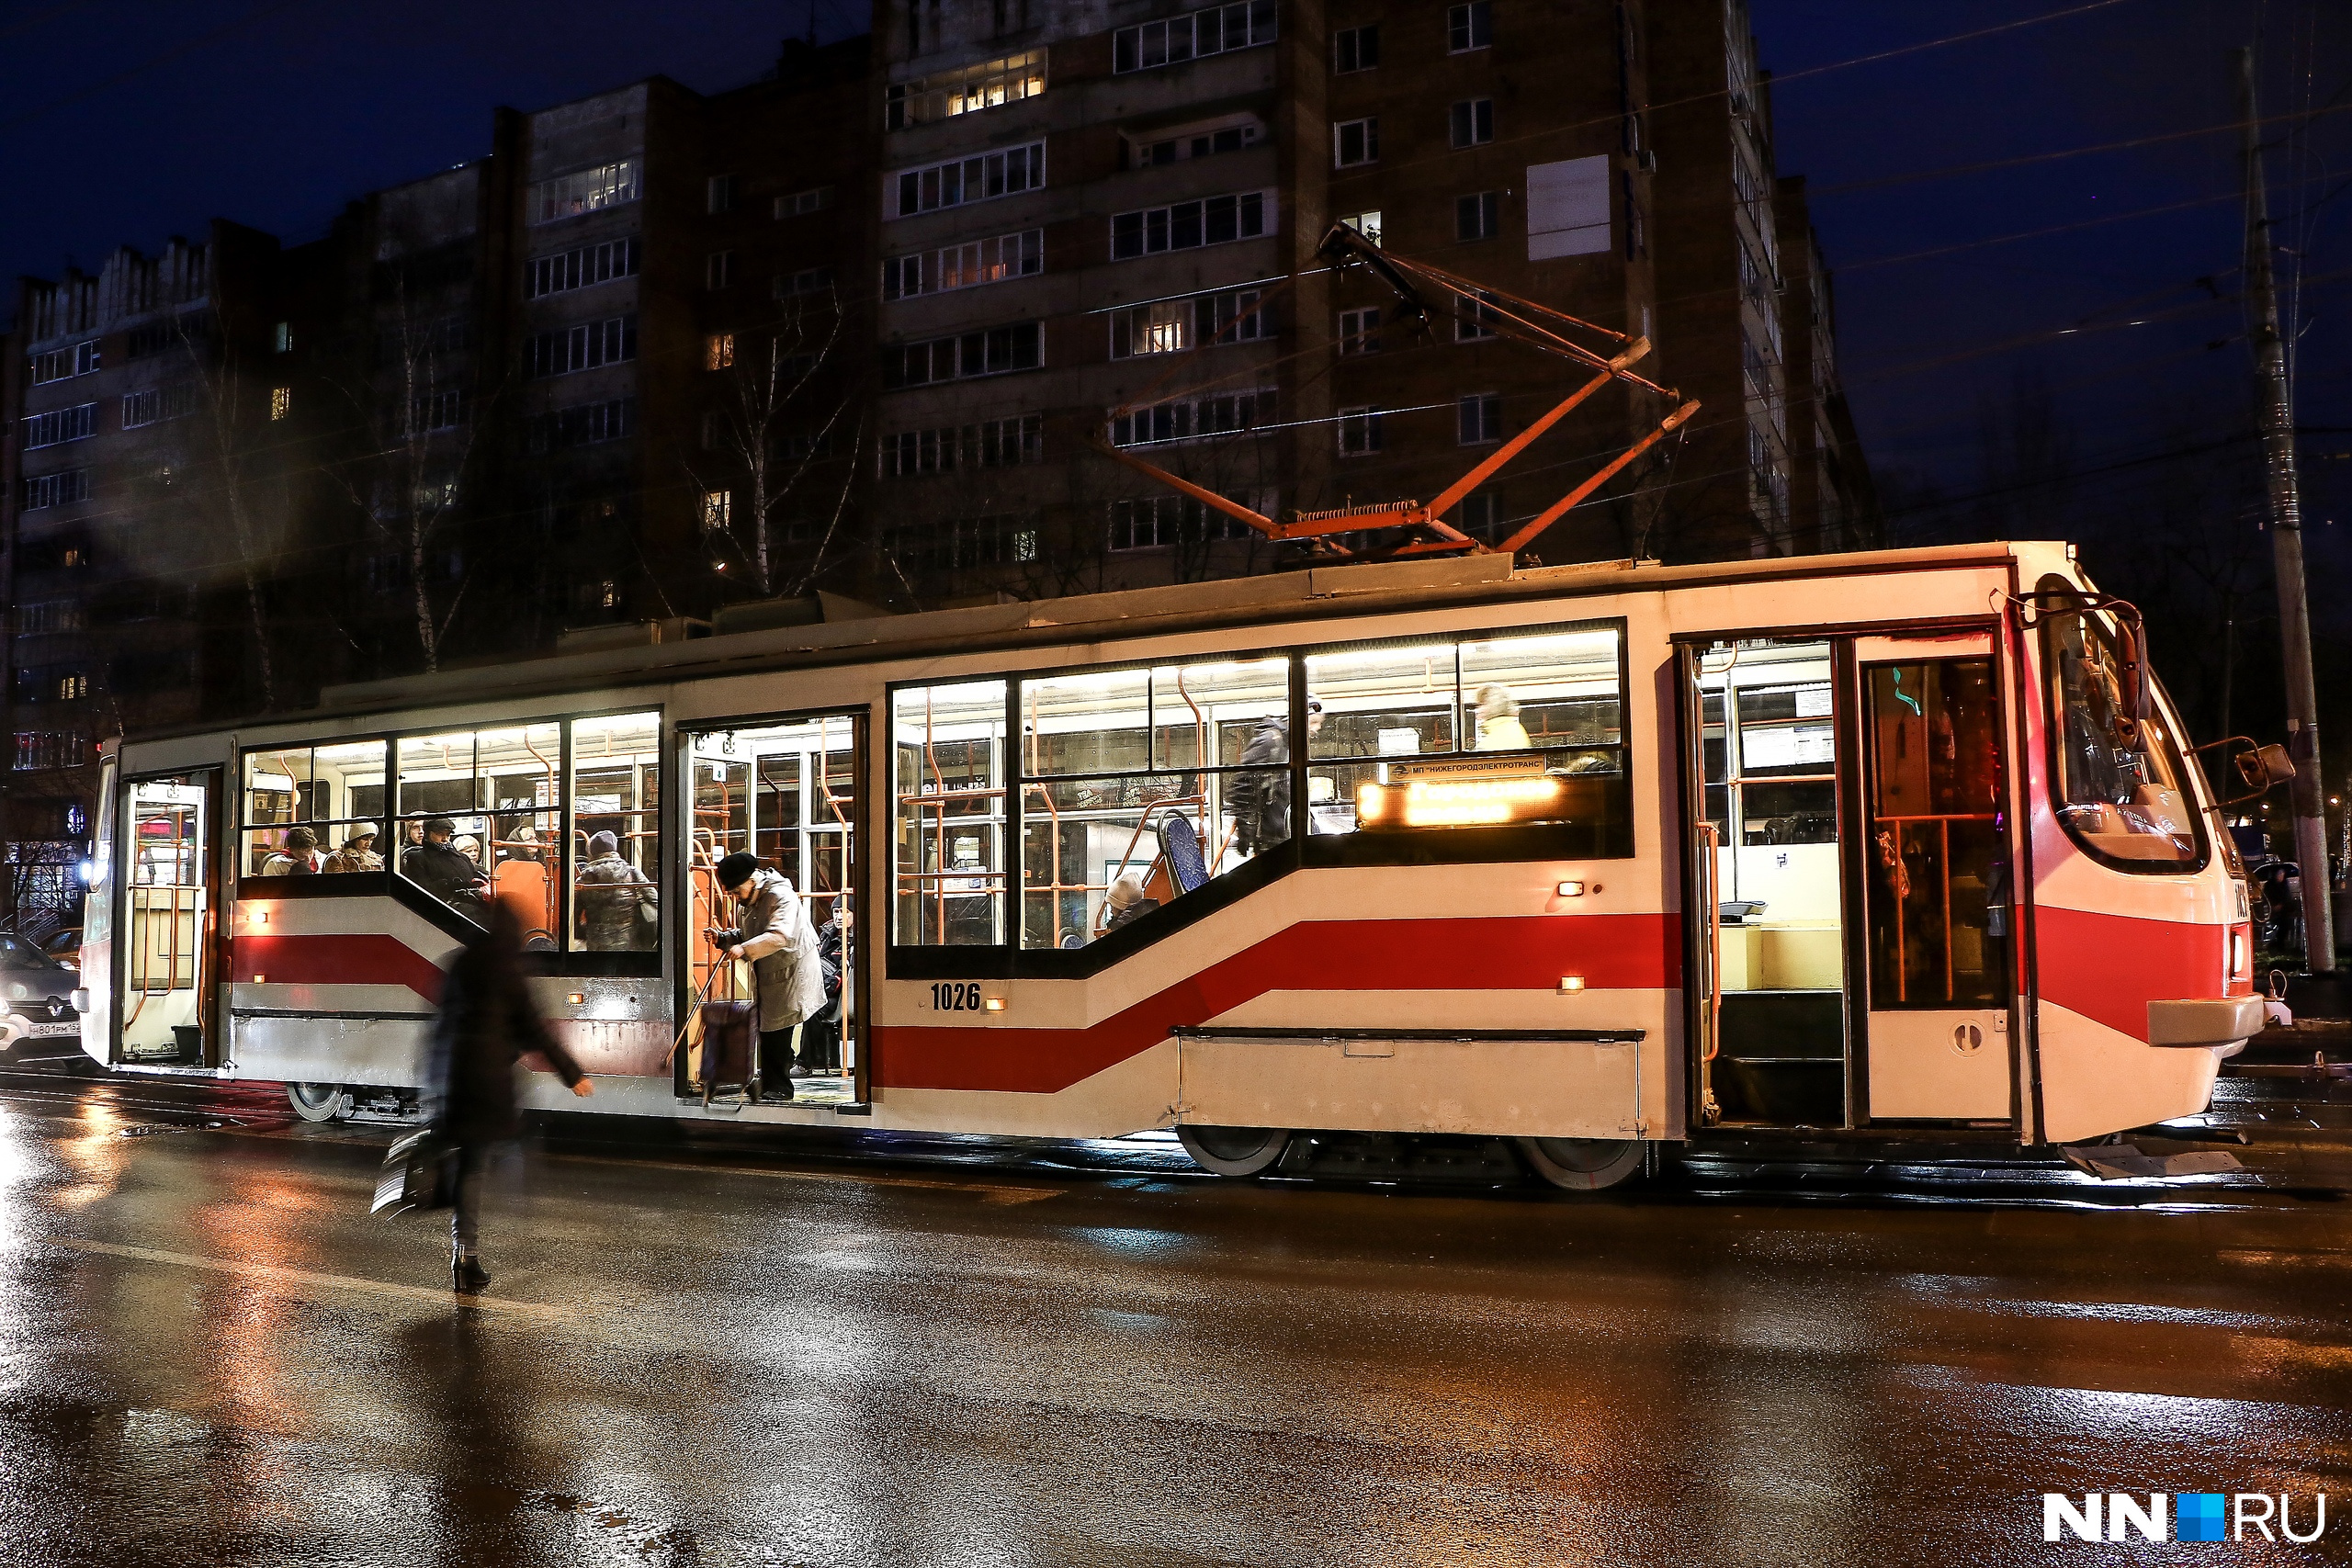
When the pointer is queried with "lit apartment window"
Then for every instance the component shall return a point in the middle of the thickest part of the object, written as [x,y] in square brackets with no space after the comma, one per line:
[718,351]
[965,265]
[1355,142]
[1474,318]
[959,182]
[1471,122]
[1365,223]
[719,269]
[1173,326]
[1479,419]
[1478,217]
[281,337]
[281,401]
[800,203]
[1469,26]
[1219,29]
[72,686]
[1213,221]
[718,194]
[944,94]
[1360,332]
[1359,432]
[718,507]
[586,190]
[1355,49]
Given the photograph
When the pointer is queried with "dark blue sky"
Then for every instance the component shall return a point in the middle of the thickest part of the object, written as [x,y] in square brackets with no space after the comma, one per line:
[131,119]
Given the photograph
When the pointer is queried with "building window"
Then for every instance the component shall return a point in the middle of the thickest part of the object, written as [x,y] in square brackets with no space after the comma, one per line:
[582,268]
[945,94]
[59,426]
[1355,49]
[1478,217]
[965,265]
[1474,318]
[1481,515]
[1216,30]
[808,280]
[991,444]
[1355,142]
[1158,522]
[441,410]
[1194,419]
[583,347]
[156,404]
[584,424]
[1368,224]
[1469,26]
[959,182]
[800,203]
[1211,221]
[959,543]
[1359,330]
[991,352]
[44,491]
[281,401]
[1471,122]
[718,194]
[719,269]
[586,190]
[1173,326]
[72,687]
[718,351]
[1205,142]
[717,509]
[281,337]
[61,364]
[1479,419]
[1359,432]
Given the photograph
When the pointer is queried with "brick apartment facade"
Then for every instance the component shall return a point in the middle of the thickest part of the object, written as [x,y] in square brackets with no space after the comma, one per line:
[862,325]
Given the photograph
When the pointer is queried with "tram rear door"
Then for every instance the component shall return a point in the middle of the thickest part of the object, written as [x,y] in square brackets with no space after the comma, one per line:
[788,791]
[170,887]
[1850,877]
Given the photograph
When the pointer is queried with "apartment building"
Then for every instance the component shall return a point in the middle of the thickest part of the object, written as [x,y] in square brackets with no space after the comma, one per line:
[1832,503]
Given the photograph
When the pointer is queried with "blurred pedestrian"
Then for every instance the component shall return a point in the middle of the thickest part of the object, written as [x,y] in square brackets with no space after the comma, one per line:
[487,1021]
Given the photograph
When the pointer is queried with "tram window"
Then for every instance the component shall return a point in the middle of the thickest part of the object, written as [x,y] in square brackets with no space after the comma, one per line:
[1133,792]
[2122,796]
[948,784]
[1540,710]
[1939,910]
[521,822]
[616,833]
[311,809]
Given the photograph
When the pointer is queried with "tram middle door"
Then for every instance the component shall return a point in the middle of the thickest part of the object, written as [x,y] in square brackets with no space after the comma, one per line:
[1769,891]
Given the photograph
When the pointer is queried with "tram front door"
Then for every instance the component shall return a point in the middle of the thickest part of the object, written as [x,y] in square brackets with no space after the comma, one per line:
[1848,883]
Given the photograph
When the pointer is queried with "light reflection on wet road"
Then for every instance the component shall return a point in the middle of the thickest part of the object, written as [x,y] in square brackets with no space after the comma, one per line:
[955,1352]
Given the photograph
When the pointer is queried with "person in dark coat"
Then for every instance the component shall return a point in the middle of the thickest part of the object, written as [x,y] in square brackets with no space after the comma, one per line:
[820,1036]
[1260,801]
[486,1020]
[619,909]
[445,872]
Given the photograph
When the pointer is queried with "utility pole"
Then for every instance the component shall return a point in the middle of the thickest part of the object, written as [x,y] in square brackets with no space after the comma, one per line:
[2276,417]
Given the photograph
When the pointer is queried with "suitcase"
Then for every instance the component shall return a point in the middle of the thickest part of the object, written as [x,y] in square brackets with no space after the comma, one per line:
[730,1061]
[420,1172]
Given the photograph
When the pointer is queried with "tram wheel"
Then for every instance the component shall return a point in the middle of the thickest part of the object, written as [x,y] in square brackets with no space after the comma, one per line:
[318,1101]
[1582,1165]
[1235,1151]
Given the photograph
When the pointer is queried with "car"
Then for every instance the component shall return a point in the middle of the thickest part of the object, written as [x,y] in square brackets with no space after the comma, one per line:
[65,946]
[38,993]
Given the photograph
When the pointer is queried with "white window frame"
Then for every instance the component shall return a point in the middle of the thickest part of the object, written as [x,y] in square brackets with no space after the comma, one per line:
[584,191]
[1470,122]
[1469,27]
[1255,215]
[1367,132]
[1360,431]
[58,427]
[934,187]
[1479,419]
[1175,39]
[1347,45]
[969,265]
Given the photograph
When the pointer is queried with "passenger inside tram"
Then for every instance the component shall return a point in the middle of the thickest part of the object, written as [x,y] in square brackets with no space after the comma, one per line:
[358,851]
[619,911]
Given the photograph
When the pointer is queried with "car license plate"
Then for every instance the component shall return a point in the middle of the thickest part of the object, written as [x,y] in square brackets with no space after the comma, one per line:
[50,1029]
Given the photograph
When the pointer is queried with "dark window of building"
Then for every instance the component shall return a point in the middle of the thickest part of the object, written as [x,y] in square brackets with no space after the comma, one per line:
[1478,216]
[718,194]
[1211,221]
[991,352]
[1474,318]
[1359,330]
[1479,419]
[719,269]
[1355,142]
[1355,49]
[1469,26]
[582,268]
[1360,433]
[1219,29]
[1472,121]
[583,347]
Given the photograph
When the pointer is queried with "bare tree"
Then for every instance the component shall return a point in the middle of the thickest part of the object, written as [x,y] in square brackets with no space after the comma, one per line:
[771,432]
[229,410]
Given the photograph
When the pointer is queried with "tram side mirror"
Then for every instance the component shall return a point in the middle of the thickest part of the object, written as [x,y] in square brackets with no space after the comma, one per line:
[2131,685]
[2265,768]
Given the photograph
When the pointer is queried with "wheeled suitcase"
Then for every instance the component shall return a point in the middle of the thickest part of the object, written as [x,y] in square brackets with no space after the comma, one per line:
[420,1172]
[731,1058]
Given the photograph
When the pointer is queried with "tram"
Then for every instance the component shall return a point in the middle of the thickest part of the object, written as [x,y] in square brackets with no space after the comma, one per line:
[1901,846]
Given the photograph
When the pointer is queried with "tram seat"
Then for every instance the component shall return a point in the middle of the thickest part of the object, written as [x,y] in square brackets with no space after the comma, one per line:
[526,881]
[1180,851]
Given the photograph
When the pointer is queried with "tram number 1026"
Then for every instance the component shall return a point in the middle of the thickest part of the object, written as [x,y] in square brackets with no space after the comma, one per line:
[956,996]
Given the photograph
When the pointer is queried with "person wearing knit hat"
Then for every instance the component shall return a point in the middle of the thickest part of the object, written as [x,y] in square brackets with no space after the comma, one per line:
[1127,900]
[619,909]
[358,851]
[774,934]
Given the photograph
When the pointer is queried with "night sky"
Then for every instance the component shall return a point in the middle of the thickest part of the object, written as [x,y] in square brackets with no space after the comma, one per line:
[2089,382]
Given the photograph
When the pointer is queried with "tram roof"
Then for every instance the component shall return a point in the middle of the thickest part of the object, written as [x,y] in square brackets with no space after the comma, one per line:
[1304,595]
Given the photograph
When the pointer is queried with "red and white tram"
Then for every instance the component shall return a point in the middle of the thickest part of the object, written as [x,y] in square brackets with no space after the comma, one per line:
[1896,846]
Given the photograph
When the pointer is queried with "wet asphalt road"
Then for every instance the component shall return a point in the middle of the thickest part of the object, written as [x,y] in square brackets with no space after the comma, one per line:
[945,1352]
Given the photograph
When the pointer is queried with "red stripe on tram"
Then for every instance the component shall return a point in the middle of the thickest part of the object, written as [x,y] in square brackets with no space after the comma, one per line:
[2109,968]
[1514,952]
[350,960]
